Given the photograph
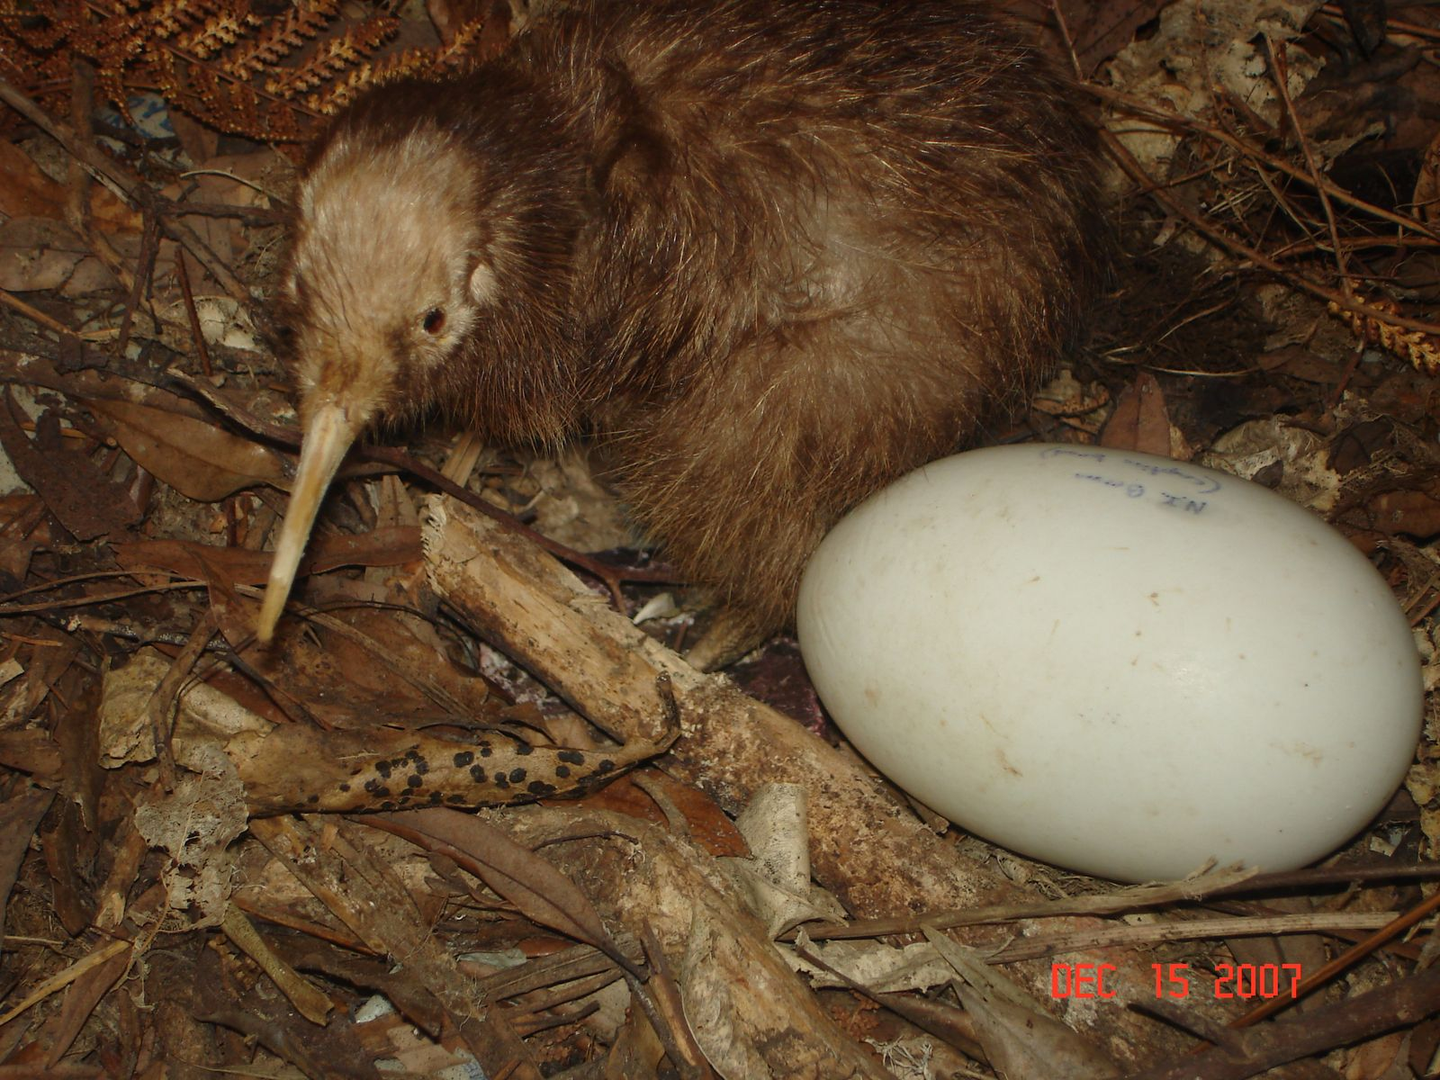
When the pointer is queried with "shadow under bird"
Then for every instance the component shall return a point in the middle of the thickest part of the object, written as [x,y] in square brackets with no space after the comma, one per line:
[767,256]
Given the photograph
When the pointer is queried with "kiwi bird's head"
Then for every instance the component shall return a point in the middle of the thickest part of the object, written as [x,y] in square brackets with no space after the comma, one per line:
[387,278]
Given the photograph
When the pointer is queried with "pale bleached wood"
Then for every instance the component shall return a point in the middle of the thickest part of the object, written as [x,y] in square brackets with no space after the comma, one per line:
[865,846]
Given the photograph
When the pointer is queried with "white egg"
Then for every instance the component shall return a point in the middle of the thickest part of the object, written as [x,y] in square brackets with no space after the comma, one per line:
[1114,662]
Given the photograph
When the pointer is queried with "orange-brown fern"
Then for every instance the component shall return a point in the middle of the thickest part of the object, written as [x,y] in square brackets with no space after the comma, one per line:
[269,79]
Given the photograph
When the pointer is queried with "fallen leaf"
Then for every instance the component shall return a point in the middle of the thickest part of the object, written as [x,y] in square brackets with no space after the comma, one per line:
[382,547]
[198,459]
[1140,421]
[708,824]
[75,490]
[532,884]
[25,191]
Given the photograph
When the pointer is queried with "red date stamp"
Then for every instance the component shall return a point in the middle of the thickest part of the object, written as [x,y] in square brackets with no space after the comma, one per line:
[1229,982]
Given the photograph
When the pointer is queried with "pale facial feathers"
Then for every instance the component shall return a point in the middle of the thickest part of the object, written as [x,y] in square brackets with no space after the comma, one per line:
[389,282]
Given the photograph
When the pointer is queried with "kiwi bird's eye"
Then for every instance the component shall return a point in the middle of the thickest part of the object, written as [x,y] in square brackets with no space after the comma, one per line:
[434,321]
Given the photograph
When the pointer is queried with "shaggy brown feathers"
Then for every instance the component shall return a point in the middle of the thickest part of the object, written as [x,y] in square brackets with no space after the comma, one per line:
[770,255]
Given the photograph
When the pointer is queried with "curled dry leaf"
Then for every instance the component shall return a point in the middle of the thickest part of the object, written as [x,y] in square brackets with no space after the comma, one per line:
[527,880]
[1019,1038]
[197,459]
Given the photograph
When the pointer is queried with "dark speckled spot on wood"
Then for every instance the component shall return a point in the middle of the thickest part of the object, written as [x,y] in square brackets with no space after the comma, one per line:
[571,757]
[477,773]
[388,806]
[463,758]
[501,780]
[517,776]
[539,787]
[562,771]
[523,748]
[344,786]
[455,799]
[413,780]
[383,768]
[435,797]
[604,767]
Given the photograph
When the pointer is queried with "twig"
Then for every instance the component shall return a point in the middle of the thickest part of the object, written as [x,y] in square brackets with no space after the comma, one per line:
[126,184]
[1347,959]
[1357,1018]
[1253,153]
[195,332]
[1132,168]
[35,315]
[1280,75]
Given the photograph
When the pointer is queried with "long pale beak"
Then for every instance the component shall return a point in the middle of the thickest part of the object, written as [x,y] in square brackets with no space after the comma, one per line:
[327,437]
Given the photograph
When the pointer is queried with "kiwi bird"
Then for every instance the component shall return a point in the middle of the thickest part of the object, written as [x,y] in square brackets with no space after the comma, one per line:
[768,257]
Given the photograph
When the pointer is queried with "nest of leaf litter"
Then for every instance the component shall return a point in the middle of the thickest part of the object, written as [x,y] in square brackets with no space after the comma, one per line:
[182,888]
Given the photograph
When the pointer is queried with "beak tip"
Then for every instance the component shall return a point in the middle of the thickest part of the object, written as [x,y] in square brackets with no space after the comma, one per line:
[328,436]
[270,611]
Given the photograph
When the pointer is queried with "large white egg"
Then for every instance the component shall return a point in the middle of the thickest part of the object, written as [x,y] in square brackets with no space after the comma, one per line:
[1114,662]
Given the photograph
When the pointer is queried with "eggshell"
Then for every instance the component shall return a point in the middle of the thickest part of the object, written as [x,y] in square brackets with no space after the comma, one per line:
[1114,662]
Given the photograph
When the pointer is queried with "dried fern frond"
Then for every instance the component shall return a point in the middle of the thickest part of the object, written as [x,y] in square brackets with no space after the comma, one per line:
[330,61]
[464,49]
[1420,349]
[279,38]
[215,59]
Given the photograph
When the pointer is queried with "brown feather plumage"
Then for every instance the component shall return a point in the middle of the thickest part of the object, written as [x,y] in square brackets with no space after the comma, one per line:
[770,256]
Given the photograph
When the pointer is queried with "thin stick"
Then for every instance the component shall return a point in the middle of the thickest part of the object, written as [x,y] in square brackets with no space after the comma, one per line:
[1279,72]
[125,183]
[1132,168]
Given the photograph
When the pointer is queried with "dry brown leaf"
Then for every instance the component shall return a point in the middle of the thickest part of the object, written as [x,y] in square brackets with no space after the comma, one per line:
[709,825]
[25,191]
[76,491]
[19,816]
[37,254]
[1019,1039]
[1141,421]
[196,458]
[382,547]
[528,881]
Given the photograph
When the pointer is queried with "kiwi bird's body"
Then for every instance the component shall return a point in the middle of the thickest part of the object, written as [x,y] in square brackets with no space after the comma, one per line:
[771,256]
